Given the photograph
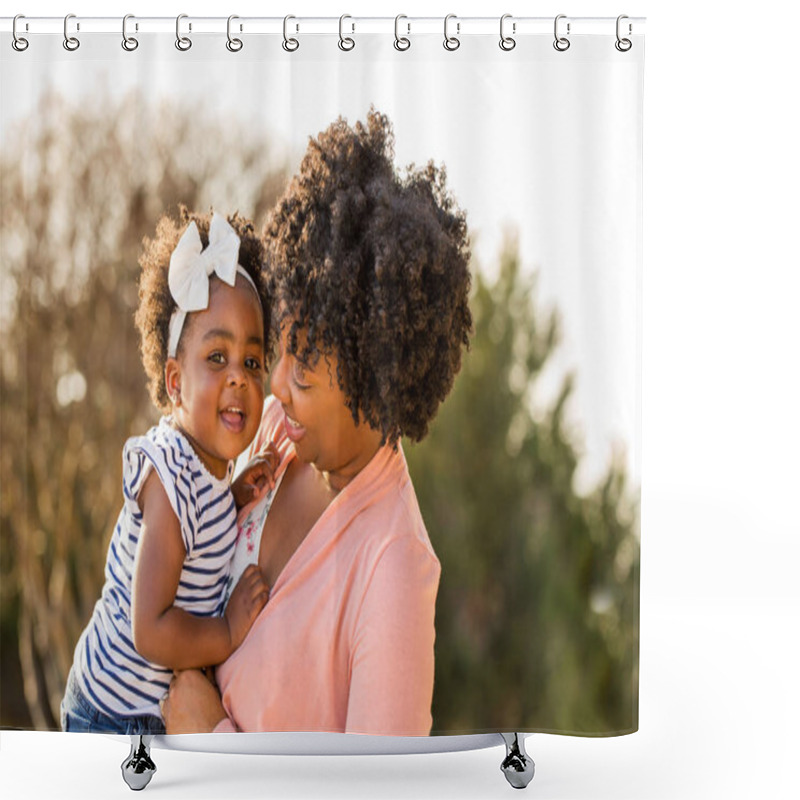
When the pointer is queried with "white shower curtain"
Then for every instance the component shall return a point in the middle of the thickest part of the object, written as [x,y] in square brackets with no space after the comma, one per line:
[535,520]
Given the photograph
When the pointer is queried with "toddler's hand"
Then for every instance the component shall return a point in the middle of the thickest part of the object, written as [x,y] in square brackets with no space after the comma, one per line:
[258,477]
[248,597]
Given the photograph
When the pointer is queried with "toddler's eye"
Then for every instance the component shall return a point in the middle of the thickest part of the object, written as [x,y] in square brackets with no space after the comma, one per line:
[253,364]
[216,358]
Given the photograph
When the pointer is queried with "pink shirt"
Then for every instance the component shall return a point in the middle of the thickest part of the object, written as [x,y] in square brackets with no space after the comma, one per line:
[345,642]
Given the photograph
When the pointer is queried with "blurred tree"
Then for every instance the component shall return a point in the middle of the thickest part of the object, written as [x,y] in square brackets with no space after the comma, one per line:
[80,188]
[537,615]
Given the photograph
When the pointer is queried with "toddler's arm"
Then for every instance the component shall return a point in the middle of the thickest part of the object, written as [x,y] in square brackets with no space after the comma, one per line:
[257,478]
[162,632]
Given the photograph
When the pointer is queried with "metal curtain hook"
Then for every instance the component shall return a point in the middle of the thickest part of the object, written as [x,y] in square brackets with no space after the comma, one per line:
[345,42]
[623,45]
[129,43]
[70,42]
[561,43]
[401,42]
[233,44]
[19,43]
[451,42]
[506,42]
[289,44]
[181,42]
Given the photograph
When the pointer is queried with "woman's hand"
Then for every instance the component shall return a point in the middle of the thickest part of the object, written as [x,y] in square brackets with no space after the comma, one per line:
[258,477]
[192,704]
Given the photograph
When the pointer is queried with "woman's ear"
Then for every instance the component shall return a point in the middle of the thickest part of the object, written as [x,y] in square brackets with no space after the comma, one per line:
[172,378]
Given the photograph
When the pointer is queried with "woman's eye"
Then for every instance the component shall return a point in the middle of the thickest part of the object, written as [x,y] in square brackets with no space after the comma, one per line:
[299,376]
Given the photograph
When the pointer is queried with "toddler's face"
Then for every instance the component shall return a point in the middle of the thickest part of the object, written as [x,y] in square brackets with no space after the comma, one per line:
[217,381]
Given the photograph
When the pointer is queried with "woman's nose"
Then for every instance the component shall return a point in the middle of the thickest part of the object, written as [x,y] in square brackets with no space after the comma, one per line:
[278,383]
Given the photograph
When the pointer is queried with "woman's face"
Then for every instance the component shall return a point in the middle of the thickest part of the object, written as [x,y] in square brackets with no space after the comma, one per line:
[317,421]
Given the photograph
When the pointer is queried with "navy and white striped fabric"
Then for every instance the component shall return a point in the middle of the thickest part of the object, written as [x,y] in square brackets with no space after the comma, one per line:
[109,670]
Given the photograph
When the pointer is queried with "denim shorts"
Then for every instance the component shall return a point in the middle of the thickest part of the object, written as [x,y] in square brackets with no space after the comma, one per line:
[78,715]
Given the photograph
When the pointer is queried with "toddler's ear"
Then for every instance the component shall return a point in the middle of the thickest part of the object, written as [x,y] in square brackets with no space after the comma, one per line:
[172,378]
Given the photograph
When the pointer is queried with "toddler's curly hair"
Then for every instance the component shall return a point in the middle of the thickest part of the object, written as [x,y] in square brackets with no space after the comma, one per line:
[155,301]
[373,267]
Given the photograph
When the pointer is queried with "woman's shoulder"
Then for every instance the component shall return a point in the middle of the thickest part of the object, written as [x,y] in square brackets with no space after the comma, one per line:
[391,517]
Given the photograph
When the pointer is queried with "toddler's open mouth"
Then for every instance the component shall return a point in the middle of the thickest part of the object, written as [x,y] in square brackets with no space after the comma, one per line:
[233,418]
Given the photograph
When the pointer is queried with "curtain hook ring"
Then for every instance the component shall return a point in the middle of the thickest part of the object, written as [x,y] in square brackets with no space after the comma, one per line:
[289,44]
[19,43]
[183,43]
[506,42]
[345,42]
[71,43]
[129,43]
[233,44]
[451,42]
[623,45]
[401,42]
[561,43]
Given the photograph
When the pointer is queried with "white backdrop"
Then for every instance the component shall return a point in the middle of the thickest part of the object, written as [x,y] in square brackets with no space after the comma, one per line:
[719,607]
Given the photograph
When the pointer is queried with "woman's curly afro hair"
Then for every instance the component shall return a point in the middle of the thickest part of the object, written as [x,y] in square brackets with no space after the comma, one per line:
[373,267]
[155,301]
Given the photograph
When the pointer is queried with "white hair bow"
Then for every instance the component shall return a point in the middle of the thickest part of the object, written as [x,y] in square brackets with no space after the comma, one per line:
[190,268]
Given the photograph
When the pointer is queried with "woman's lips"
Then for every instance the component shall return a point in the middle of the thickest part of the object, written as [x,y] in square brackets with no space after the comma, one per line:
[294,430]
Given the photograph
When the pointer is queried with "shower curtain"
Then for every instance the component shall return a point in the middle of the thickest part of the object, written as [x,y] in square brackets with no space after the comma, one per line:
[528,480]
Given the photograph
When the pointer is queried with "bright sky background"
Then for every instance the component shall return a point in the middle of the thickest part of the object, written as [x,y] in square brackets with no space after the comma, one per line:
[536,142]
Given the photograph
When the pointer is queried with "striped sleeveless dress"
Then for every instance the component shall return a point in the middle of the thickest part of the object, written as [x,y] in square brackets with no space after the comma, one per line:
[107,668]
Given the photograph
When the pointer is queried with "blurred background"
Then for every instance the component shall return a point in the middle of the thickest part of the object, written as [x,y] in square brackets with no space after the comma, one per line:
[539,584]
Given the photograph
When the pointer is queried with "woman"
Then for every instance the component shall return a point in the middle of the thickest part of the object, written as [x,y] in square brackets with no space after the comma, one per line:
[369,272]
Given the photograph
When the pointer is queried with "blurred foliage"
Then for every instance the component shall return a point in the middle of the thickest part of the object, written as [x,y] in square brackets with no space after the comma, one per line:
[80,188]
[537,614]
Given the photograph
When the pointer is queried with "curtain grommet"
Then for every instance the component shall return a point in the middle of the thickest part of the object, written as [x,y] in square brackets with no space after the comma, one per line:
[401,43]
[561,43]
[289,44]
[623,44]
[19,43]
[71,43]
[183,43]
[129,43]
[451,43]
[507,43]
[346,43]
[233,44]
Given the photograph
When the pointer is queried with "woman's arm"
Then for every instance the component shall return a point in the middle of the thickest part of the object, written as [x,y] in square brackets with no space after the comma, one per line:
[391,684]
[163,633]
[193,705]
